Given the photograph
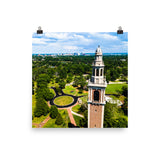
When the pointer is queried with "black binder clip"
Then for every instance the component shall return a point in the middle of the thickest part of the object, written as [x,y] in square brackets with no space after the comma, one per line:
[119,31]
[39,31]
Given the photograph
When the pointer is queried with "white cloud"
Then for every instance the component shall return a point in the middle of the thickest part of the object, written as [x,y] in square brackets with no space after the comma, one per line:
[58,35]
[70,47]
[103,35]
[38,41]
[109,37]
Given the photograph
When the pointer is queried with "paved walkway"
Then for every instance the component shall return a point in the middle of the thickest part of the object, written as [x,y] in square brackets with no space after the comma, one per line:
[69,109]
[71,116]
[77,114]
[117,82]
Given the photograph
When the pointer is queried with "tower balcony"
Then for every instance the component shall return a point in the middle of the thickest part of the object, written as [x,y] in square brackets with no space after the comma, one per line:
[98,63]
[97,82]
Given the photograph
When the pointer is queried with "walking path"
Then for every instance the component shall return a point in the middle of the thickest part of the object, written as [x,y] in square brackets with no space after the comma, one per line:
[77,114]
[113,101]
[117,82]
[42,123]
[71,116]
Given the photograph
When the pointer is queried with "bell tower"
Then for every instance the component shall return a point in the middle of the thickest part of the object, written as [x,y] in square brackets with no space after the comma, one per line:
[96,92]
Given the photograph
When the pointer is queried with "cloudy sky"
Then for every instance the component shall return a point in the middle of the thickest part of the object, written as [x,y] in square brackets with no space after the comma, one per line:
[86,42]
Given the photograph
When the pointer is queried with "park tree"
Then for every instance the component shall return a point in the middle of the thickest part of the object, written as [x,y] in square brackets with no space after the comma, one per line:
[43,80]
[59,90]
[114,117]
[125,106]
[62,73]
[57,79]
[62,84]
[82,82]
[41,108]
[125,71]
[76,82]
[120,122]
[113,74]
[59,119]
[44,77]
[44,93]
[69,79]
[84,121]
[83,108]
[108,115]
[108,76]
[50,72]
[53,112]
[49,95]
[125,91]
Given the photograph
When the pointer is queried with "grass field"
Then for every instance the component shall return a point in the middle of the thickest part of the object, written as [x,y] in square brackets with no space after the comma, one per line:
[39,119]
[112,88]
[70,90]
[84,99]
[52,91]
[66,120]
[76,108]
[63,100]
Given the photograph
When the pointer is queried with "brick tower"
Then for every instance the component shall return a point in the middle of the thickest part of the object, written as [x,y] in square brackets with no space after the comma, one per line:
[96,92]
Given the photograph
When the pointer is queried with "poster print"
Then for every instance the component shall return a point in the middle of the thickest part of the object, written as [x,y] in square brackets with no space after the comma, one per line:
[80,80]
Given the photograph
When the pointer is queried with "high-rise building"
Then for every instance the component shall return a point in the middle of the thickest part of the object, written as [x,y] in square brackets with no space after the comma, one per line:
[96,92]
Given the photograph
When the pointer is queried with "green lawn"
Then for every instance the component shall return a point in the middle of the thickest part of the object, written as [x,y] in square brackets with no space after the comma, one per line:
[73,91]
[70,90]
[63,100]
[121,97]
[51,122]
[33,126]
[76,108]
[39,119]
[52,91]
[81,94]
[84,99]
[112,88]
[77,119]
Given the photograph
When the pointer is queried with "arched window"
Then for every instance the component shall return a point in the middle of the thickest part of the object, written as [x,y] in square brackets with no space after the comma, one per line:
[96,95]
[101,72]
[97,72]
[93,72]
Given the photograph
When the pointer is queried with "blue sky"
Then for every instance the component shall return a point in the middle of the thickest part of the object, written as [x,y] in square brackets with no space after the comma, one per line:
[86,42]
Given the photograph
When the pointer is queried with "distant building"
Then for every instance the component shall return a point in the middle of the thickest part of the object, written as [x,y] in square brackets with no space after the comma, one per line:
[75,54]
[123,60]
[79,101]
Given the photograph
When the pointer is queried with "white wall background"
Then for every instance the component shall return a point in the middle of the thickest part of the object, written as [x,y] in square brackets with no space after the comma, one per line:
[19,19]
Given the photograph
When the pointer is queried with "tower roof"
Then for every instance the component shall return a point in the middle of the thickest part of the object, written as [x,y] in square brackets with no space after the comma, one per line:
[98,50]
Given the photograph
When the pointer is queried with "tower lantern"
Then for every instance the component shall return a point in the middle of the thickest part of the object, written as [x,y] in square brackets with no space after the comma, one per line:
[96,92]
